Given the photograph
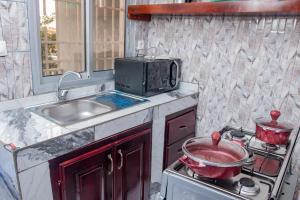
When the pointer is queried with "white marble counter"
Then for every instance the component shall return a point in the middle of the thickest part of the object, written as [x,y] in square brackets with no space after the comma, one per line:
[24,128]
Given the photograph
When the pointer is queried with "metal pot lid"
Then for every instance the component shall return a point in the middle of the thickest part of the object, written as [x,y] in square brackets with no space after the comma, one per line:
[225,154]
[273,124]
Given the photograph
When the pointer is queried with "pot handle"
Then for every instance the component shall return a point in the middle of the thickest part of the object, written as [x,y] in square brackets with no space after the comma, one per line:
[250,161]
[184,160]
[216,137]
[275,114]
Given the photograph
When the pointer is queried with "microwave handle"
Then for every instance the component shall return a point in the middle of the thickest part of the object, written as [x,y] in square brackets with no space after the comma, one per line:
[177,73]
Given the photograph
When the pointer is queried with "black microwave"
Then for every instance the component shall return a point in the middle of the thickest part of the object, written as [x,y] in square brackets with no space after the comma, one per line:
[147,77]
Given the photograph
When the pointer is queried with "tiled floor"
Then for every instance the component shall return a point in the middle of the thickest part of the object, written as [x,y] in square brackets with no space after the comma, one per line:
[155,188]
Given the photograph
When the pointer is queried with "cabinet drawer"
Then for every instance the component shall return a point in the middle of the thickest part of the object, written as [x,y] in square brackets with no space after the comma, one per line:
[180,127]
[174,151]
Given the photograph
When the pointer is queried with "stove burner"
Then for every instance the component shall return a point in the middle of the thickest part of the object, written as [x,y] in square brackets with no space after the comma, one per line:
[237,134]
[246,186]
[247,182]
[270,147]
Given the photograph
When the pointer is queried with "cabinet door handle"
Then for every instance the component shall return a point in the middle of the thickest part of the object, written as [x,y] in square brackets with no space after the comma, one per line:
[111,165]
[121,155]
[183,127]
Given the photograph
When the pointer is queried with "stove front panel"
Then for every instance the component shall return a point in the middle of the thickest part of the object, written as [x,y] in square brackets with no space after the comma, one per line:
[180,188]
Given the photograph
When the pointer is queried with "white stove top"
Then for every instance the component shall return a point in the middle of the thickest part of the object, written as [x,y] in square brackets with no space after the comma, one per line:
[261,181]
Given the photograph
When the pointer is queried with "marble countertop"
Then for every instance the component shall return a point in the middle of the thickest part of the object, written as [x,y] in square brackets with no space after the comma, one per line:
[23,128]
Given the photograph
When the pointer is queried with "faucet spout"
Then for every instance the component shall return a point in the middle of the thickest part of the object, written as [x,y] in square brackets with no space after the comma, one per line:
[62,94]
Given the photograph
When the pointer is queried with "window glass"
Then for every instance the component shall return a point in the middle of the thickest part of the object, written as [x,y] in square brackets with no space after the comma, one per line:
[62,36]
[108,33]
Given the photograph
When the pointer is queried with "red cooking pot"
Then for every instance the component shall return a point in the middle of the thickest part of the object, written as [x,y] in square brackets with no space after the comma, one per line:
[272,131]
[221,161]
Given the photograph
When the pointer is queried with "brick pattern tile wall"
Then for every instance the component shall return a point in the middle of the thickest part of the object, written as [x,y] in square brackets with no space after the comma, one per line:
[245,66]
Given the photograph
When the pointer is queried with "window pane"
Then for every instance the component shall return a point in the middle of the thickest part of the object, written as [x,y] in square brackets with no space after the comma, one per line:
[62,36]
[108,33]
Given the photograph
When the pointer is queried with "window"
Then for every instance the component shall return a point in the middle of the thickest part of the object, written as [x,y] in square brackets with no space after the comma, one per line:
[75,35]
[108,32]
[62,36]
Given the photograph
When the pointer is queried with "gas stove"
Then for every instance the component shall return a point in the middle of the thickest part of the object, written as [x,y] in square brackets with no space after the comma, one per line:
[269,177]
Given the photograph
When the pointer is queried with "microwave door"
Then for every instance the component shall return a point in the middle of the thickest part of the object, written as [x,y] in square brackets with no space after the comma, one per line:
[156,77]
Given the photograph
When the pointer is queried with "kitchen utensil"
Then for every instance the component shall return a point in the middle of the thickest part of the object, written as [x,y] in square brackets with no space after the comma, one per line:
[272,131]
[221,161]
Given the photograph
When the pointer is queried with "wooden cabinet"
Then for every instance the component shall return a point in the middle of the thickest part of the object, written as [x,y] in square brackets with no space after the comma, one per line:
[88,176]
[133,171]
[179,127]
[114,168]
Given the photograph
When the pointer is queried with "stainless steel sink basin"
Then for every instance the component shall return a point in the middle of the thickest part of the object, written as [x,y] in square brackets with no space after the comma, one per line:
[73,111]
[70,112]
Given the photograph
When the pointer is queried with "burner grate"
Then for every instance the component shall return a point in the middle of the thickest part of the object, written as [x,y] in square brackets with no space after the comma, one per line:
[270,147]
[249,140]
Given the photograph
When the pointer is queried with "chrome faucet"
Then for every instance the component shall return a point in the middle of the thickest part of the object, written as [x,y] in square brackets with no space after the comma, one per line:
[62,93]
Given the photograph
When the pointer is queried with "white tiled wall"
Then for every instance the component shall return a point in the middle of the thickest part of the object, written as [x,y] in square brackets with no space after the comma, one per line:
[245,66]
[15,69]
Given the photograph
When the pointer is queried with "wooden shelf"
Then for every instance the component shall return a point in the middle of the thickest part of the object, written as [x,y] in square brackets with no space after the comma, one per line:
[258,7]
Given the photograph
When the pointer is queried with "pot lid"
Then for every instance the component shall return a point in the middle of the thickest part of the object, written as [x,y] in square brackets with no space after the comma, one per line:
[272,123]
[225,154]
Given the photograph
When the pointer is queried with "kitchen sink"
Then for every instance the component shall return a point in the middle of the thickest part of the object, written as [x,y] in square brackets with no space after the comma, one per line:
[73,111]
[70,112]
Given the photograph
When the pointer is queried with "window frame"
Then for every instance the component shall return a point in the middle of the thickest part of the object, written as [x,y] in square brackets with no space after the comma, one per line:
[43,84]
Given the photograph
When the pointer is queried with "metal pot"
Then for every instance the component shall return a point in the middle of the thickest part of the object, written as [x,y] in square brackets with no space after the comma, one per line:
[272,131]
[221,161]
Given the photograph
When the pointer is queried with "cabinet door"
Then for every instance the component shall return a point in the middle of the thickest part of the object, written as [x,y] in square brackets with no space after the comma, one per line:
[133,167]
[88,176]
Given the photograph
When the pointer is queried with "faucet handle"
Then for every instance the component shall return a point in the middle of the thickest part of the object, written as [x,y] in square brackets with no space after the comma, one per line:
[62,95]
